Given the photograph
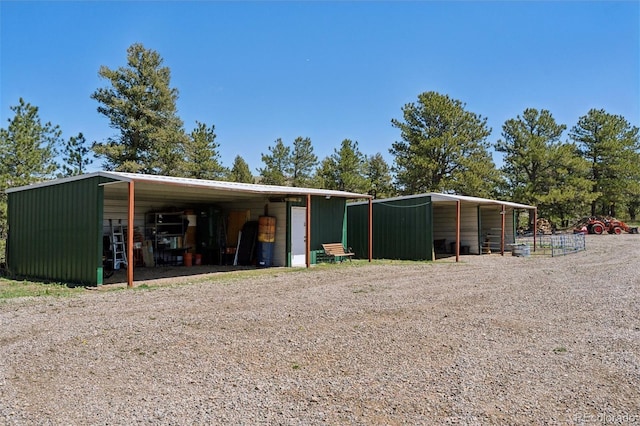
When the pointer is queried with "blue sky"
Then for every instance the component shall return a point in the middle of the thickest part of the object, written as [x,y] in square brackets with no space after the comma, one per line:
[259,71]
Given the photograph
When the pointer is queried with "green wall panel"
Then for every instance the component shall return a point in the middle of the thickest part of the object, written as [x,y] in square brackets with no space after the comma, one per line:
[357,229]
[402,229]
[328,221]
[55,232]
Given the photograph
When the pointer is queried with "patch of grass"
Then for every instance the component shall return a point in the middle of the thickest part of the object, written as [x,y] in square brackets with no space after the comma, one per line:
[560,350]
[10,289]
[295,366]
[142,287]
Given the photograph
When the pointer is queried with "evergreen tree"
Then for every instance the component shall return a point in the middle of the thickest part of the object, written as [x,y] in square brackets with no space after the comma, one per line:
[27,151]
[378,175]
[612,147]
[540,169]
[27,148]
[76,156]
[141,106]
[277,165]
[567,194]
[202,159]
[444,148]
[240,171]
[303,162]
[344,169]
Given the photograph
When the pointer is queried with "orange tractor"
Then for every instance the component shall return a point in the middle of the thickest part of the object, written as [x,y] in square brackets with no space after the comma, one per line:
[598,225]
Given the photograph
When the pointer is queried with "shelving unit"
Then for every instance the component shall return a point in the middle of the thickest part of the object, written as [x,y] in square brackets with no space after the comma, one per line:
[167,231]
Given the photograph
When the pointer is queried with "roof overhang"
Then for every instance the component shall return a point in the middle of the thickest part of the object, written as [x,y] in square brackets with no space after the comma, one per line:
[437,198]
[188,189]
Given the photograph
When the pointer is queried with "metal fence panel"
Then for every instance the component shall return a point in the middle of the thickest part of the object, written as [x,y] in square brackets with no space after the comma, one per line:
[555,245]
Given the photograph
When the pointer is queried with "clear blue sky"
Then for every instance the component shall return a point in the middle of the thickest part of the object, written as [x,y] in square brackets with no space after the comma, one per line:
[260,71]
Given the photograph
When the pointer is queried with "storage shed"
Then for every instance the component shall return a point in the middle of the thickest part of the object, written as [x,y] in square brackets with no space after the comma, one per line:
[70,229]
[424,226]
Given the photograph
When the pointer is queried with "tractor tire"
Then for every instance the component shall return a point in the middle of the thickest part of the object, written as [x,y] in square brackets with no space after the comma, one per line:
[597,228]
[617,230]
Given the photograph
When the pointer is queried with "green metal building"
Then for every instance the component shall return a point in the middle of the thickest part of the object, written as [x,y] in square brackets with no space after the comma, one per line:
[421,227]
[57,229]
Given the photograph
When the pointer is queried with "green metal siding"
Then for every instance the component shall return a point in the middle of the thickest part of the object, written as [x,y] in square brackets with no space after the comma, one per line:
[402,229]
[358,229]
[328,223]
[55,232]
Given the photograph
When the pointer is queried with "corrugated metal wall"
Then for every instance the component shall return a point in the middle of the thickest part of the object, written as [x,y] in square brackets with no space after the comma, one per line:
[402,229]
[118,210]
[358,229]
[55,232]
[328,223]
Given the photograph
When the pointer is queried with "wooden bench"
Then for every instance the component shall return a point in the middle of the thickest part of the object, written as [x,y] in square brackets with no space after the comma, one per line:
[336,251]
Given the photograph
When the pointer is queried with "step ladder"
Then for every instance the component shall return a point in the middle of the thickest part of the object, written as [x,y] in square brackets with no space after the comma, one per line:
[117,245]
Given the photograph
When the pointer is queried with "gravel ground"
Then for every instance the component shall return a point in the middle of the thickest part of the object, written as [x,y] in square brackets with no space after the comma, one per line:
[492,340]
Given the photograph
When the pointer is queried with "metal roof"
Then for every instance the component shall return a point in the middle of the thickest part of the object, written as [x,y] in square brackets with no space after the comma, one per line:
[220,187]
[438,197]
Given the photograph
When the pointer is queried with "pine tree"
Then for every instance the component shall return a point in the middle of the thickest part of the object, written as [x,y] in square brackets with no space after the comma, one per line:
[27,148]
[277,165]
[444,148]
[202,159]
[612,147]
[240,171]
[567,195]
[378,176]
[76,156]
[303,162]
[344,170]
[540,169]
[141,106]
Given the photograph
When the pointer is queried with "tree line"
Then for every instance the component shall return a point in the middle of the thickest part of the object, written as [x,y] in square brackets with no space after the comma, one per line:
[442,147]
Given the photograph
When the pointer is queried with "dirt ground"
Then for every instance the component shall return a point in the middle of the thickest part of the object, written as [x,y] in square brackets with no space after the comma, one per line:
[490,340]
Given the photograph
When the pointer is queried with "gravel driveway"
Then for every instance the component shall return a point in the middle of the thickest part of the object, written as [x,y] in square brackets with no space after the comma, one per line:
[492,340]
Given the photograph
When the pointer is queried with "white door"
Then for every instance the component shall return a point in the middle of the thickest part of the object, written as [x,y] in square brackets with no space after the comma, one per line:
[298,236]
